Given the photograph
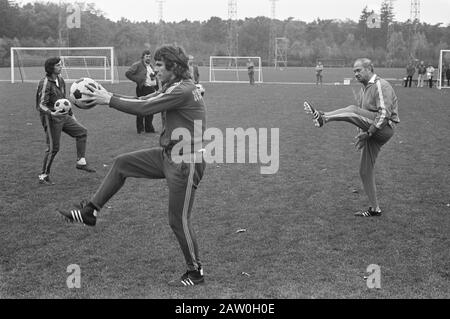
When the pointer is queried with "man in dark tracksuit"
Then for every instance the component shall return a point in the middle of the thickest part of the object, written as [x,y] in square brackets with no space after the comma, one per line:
[50,89]
[143,74]
[375,116]
[182,107]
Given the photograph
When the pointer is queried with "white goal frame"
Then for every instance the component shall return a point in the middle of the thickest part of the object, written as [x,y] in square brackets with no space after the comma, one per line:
[109,68]
[440,81]
[235,68]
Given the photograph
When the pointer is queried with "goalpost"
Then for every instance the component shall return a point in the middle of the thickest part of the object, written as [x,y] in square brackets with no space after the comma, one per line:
[97,63]
[233,69]
[444,64]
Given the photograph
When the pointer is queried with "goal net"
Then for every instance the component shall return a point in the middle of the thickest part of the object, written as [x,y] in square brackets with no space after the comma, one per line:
[234,69]
[97,63]
[444,66]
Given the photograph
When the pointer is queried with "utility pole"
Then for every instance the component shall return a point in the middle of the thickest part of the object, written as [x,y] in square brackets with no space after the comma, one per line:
[160,30]
[415,20]
[272,34]
[232,36]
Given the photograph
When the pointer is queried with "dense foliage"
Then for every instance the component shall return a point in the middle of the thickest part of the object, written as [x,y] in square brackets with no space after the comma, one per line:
[38,24]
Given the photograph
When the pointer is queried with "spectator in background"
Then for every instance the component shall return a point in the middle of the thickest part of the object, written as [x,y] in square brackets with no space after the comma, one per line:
[251,71]
[410,70]
[421,71]
[193,69]
[430,75]
[319,71]
[447,74]
[143,74]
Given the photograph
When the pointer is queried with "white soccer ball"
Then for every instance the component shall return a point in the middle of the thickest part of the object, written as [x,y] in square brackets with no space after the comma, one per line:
[78,91]
[200,89]
[63,105]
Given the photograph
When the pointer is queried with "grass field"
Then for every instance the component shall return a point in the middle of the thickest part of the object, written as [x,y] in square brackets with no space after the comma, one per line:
[302,240]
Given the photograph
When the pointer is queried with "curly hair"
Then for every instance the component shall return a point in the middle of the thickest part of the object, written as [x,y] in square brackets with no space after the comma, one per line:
[175,60]
[50,65]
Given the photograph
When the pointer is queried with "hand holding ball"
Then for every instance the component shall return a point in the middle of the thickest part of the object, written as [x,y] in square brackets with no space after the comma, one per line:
[85,93]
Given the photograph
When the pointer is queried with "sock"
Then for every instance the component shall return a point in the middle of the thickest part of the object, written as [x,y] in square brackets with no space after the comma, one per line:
[81,161]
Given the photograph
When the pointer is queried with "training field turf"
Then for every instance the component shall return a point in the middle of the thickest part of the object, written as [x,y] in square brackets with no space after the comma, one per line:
[301,238]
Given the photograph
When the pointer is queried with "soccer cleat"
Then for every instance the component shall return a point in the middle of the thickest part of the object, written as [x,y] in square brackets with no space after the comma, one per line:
[45,180]
[85,215]
[86,168]
[317,115]
[368,213]
[190,278]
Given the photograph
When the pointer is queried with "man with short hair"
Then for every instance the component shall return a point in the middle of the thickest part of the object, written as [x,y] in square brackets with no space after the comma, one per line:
[421,72]
[50,89]
[319,71]
[375,116]
[182,108]
[430,75]
[410,70]
[193,69]
[251,71]
[143,74]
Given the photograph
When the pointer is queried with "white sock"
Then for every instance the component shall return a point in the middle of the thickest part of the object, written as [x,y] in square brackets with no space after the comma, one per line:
[81,161]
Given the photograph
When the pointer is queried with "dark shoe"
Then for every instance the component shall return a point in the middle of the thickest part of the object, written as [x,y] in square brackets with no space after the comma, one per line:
[368,213]
[86,168]
[317,115]
[190,278]
[85,215]
[45,180]
[152,130]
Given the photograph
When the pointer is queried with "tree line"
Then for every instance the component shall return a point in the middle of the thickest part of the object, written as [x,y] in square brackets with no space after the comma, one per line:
[391,45]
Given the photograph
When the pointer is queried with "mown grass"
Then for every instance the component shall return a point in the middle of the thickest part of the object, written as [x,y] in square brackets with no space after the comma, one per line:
[301,238]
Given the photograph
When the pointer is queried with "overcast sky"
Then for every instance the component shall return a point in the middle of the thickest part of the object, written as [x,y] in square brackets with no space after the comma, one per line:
[431,11]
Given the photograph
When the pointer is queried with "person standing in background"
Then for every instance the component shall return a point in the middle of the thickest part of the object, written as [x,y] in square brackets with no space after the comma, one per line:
[410,70]
[251,71]
[193,69]
[319,71]
[430,75]
[143,74]
[421,71]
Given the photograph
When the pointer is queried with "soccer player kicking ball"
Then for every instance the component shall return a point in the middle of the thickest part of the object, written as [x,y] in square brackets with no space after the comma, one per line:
[180,105]
[375,116]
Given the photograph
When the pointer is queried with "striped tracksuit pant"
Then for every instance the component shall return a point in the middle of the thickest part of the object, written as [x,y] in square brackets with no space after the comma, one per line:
[363,119]
[53,126]
[182,179]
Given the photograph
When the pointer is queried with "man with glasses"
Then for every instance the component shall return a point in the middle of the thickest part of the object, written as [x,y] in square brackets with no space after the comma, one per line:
[50,89]
[143,74]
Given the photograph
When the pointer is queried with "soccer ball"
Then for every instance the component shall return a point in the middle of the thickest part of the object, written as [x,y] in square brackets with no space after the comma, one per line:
[63,105]
[200,89]
[78,91]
